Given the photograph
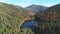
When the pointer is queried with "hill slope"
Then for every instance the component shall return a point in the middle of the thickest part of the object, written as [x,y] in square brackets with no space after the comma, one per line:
[50,21]
[10,18]
[51,13]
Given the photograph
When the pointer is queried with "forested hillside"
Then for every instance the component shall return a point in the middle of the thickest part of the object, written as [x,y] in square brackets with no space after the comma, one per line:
[17,20]
[10,18]
[49,21]
[36,8]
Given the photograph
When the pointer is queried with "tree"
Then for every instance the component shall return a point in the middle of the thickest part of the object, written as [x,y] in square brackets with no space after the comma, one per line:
[27,31]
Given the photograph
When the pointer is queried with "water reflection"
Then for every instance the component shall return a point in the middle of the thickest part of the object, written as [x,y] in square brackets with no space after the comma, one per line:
[29,24]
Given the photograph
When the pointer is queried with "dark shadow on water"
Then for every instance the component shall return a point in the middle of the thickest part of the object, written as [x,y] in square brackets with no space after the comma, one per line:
[31,24]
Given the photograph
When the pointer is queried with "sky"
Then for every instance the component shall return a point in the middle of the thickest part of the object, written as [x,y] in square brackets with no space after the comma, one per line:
[25,3]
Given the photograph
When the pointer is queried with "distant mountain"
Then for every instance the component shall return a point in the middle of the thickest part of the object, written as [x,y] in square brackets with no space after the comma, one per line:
[36,8]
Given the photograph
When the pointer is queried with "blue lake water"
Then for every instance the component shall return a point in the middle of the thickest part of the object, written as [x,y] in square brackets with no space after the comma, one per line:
[29,24]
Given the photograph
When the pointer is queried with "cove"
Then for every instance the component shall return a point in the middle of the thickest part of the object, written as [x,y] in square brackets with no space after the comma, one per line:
[29,24]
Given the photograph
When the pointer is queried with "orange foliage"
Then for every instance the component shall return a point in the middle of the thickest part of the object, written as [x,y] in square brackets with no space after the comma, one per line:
[31,12]
[53,15]
[25,18]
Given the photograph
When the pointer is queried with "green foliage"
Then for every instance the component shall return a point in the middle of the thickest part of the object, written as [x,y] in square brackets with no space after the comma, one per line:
[50,19]
[27,31]
[10,18]
[1,30]
[46,28]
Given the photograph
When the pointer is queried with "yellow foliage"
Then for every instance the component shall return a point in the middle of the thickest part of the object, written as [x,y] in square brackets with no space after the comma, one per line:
[25,18]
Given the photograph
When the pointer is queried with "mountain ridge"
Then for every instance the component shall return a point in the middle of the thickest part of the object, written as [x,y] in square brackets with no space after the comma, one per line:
[36,8]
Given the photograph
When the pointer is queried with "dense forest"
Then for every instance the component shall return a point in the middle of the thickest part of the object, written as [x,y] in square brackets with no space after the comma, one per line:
[50,19]
[13,17]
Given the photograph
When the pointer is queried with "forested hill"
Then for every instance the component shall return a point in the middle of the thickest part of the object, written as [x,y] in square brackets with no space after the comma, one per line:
[51,13]
[36,8]
[10,18]
[49,21]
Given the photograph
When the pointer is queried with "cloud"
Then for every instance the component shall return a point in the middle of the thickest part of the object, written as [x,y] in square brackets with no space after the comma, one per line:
[2,0]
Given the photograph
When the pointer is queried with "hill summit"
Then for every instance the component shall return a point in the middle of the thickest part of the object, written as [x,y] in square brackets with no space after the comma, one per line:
[36,8]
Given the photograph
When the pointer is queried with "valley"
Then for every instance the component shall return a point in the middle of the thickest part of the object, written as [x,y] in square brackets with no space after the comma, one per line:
[34,19]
